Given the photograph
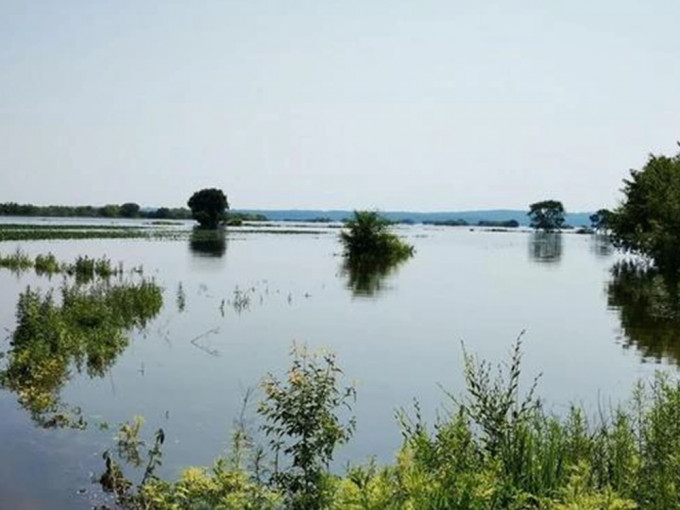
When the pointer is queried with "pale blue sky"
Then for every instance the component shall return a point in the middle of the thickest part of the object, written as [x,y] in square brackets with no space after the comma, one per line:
[410,105]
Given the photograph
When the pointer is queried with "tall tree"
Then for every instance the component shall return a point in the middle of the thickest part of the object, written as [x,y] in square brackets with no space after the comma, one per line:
[547,215]
[208,207]
[129,210]
[648,220]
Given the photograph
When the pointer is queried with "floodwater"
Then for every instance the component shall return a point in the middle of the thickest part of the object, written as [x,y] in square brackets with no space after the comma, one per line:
[397,336]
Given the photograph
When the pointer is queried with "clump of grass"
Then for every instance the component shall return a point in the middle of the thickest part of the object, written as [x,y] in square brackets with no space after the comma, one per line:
[46,265]
[241,300]
[18,262]
[181,298]
[86,331]
[85,269]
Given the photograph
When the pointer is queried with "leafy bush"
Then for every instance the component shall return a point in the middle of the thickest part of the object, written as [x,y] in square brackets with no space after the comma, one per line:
[368,240]
[303,427]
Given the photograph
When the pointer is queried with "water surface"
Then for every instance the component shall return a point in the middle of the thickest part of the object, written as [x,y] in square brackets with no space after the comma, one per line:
[248,297]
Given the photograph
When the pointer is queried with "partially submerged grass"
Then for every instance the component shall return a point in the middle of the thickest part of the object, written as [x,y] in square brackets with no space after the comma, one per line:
[46,264]
[83,330]
[153,231]
[17,262]
[85,269]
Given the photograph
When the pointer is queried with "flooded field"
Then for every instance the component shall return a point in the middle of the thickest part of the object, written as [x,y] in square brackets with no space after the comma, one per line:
[233,306]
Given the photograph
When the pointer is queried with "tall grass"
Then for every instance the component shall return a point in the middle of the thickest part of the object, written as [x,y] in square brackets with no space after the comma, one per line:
[85,269]
[496,448]
[17,262]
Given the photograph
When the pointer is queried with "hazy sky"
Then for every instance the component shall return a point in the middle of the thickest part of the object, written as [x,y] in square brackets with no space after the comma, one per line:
[409,105]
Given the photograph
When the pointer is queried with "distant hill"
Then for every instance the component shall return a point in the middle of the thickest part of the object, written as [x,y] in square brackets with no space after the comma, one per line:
[471,217]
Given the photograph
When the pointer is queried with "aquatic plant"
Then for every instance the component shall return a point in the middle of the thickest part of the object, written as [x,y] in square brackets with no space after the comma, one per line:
[181,298]
[46,265]
[18,261]
[85,330]
[241,300]
[368,241]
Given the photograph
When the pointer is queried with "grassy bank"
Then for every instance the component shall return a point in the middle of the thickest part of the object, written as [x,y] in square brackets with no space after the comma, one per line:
[496,448]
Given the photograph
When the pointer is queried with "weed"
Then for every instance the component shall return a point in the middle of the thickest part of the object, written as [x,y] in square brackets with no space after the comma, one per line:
[303,427]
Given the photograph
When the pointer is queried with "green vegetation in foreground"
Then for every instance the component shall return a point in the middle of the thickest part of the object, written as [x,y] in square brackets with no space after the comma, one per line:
[495,448]
[84,330]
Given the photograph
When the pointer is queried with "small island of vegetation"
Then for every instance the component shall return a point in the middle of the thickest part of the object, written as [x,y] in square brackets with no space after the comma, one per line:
[368,241]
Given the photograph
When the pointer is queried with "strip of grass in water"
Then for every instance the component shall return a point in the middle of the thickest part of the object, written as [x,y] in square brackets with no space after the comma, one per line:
[85,330]
[85,269]
[66,234]
[63,226]
[153,232]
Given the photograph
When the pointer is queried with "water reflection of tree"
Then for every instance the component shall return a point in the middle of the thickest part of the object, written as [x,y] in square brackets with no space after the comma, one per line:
[208,242]
[601,245]
[545,247]
[367,278]
[648,305]
[85,331]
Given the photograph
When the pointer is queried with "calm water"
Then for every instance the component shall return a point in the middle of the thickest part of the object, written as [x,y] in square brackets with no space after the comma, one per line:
[189,369]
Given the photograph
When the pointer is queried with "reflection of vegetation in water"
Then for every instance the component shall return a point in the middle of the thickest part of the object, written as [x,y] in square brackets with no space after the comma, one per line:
[649,309]
[85,330]
[208,242]
[601,245]
[371,252]
[545,247]
[367,278]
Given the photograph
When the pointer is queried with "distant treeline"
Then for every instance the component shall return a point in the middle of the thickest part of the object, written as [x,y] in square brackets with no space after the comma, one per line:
[480,223]
[126,210]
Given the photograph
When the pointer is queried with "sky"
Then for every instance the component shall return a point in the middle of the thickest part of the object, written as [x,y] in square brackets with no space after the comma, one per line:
[335,104]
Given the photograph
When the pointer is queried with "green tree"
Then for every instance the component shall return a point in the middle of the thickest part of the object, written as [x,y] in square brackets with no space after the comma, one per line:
[601,219]
[129,210]
[109,211]
[303,424]
[647,222]
[547,215]
[208,207]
